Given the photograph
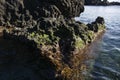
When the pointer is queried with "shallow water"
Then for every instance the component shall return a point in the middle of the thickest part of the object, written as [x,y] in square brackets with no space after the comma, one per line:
[106,65]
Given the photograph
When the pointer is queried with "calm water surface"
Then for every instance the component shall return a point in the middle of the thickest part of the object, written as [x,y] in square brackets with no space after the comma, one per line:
[106,65]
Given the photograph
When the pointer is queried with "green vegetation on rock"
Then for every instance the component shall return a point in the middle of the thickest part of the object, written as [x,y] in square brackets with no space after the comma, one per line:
[79,43]
[91,35]
[40,38]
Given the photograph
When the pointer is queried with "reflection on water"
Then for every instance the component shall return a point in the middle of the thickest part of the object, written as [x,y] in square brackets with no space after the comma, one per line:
[107,63]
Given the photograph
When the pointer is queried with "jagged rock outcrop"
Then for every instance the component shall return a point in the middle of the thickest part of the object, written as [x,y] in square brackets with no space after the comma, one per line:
[16,12]
[49,29]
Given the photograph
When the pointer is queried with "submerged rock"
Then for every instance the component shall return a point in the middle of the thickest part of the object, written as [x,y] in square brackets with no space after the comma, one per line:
[48,28]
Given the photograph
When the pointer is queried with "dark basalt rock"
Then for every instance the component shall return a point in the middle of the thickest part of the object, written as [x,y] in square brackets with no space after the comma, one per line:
[97,25]
[114,3]
[100,20]
[96,2]
[21,11]
[48,28]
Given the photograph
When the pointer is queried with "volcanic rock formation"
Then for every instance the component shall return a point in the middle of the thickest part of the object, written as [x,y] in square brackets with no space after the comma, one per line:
[48,28]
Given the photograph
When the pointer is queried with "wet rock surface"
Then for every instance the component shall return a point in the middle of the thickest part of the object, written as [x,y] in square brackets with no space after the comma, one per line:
[53,41]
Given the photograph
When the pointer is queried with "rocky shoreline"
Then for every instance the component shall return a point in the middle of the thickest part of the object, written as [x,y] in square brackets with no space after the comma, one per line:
[49,31]
[100,3]
[23,55]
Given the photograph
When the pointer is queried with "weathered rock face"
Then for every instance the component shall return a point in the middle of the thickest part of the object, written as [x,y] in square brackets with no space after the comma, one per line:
[16,12]
[48,27]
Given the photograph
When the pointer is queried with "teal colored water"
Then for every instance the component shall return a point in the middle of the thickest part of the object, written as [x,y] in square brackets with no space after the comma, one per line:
[106,65]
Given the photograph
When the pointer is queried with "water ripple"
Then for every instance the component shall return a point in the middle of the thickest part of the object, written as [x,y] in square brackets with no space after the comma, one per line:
[107,63]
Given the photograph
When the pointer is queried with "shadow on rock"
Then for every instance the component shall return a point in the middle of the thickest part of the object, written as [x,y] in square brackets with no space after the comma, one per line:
[18,62]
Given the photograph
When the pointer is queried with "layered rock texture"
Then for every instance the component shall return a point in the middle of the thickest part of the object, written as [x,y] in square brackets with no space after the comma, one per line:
[48,28]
